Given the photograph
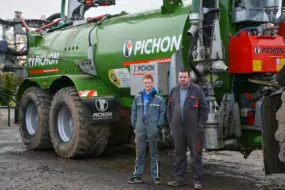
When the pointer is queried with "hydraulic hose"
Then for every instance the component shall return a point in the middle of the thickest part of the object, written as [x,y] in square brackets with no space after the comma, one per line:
[190,57]
[23,22]
[48,25]
[264,83]
[53,17]
[249,28]
[97,24]
[192,47]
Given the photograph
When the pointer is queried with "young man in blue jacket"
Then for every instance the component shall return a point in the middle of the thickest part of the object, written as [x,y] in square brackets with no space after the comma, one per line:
[148,117]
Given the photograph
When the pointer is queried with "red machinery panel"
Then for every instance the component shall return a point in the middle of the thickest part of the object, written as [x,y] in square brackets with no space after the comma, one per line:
[249,54]
[281,30]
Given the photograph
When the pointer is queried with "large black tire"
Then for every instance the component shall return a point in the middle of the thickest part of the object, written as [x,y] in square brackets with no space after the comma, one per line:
[35,134]
[86,139]
[272,163]
[100,134]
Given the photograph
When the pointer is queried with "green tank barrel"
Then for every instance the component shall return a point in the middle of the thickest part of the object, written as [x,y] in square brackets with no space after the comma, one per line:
[118,42]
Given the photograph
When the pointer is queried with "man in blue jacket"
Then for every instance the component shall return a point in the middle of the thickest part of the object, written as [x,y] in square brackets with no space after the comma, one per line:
[148,117]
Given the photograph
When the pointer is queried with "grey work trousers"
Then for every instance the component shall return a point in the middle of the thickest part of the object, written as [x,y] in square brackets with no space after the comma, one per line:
[147,135]
[194,143]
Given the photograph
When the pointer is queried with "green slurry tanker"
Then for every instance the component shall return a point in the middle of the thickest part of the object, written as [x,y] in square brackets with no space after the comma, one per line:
[81,73]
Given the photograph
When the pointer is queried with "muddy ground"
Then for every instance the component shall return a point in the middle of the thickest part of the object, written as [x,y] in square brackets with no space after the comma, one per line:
[24,169]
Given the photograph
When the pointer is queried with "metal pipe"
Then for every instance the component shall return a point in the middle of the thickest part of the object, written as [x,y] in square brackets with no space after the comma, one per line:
[62,9]
[19,14]
[195,6]
[217,6]
[195,17]
[48,25]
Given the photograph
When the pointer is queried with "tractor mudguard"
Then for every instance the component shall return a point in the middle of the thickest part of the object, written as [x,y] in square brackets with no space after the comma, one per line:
[100,101]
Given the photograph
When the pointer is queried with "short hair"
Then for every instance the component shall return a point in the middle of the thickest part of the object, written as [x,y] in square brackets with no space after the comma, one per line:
[184,70]
[148,77]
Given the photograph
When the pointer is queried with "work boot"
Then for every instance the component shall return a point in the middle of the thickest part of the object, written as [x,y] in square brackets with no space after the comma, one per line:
[175,183]
[197,185]
[134,180]
[157,181]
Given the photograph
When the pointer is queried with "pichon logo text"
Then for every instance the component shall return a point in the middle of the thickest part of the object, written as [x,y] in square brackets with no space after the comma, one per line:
[140,68]
[272,50]
[102,115]
[43,60]
[154,45]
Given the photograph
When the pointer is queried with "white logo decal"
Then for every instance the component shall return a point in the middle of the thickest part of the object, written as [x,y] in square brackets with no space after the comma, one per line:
[32,61]
[101,105]
[257,50]
[128,48]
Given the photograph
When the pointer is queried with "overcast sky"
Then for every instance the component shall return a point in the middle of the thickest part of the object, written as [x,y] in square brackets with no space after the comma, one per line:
[38,8]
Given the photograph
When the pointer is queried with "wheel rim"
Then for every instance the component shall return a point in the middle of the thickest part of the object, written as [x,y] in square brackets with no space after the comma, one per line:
[31,119]
[65,124]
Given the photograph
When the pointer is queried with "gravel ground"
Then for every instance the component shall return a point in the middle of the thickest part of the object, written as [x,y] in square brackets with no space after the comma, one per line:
[24,169]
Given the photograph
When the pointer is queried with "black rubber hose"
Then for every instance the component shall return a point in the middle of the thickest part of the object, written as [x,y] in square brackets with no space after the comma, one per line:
[190,57]
[53,16]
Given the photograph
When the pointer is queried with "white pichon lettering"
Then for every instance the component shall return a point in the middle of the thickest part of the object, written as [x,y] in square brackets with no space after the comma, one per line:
[155,45]
[103,115]
[43,60]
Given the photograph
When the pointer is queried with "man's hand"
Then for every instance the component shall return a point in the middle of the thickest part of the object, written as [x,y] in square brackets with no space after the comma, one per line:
[134,131]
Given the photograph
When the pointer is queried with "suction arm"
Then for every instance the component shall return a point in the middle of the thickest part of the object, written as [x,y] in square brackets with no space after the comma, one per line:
[195,17]
[215,62]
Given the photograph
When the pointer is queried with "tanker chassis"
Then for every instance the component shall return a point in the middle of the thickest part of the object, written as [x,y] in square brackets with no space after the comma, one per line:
[83,73]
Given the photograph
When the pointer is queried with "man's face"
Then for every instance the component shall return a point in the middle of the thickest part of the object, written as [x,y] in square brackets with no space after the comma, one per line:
[183,79]
[148,84]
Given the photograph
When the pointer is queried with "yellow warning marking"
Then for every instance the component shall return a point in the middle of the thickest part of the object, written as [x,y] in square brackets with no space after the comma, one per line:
[280,64]
[257,65]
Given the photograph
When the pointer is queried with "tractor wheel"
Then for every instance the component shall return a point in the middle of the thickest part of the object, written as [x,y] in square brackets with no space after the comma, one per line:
[269,108]
[71,128]
[100,135]
[34,118]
